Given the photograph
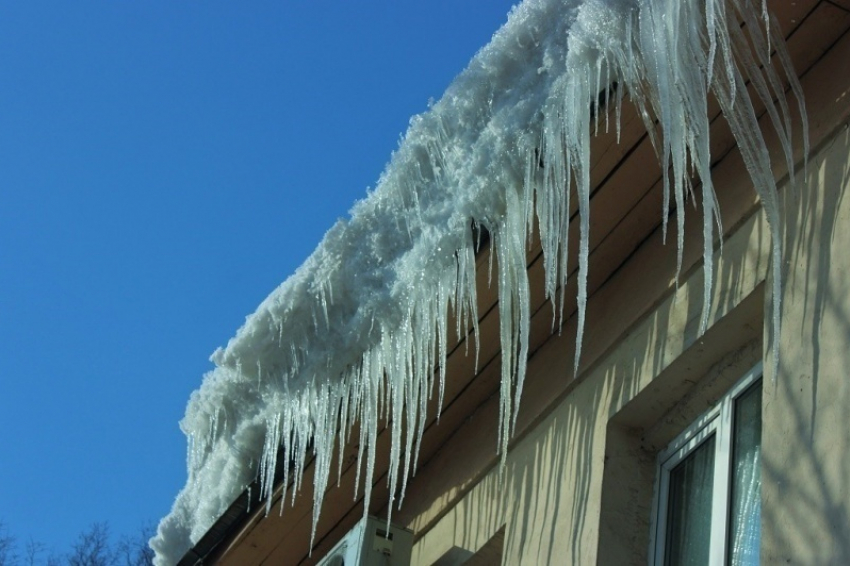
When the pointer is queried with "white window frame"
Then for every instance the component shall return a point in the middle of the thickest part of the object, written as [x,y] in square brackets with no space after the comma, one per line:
[719,420]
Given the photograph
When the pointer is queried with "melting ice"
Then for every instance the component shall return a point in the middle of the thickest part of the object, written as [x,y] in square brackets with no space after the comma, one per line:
[360,331]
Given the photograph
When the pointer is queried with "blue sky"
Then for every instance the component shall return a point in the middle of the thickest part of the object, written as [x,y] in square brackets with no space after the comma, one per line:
[163,166]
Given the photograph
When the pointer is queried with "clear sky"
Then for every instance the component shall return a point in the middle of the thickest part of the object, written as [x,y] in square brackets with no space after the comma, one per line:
[164,165]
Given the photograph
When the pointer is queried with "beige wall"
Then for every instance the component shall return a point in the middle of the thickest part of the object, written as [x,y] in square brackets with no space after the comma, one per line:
[577,488]
[806,461]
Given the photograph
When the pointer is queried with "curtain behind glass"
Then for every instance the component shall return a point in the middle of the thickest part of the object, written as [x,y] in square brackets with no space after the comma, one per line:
[689,516]
[745,511]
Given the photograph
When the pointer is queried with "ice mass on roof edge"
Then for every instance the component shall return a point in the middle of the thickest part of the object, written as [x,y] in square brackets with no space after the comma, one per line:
[359,332]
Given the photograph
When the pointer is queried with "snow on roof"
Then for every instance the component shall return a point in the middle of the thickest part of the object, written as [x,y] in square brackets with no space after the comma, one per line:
[360,330]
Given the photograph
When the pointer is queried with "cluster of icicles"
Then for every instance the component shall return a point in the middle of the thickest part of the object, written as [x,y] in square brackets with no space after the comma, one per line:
[359,333]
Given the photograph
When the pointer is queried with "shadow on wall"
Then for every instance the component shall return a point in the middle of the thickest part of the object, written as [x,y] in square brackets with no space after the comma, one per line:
[578,486]
[563,502]
[806,461]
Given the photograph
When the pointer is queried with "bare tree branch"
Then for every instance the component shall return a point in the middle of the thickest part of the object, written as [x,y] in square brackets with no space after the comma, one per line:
[92,548]
[134,550]
[8,557]
[33,550]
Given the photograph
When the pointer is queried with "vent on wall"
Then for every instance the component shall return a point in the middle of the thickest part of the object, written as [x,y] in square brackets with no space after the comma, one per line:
[369,543]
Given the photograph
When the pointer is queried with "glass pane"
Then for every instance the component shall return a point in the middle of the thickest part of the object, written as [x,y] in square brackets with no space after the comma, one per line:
[689,508]
[745,508]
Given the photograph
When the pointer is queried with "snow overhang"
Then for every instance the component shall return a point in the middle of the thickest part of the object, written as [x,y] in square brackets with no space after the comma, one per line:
[361,333]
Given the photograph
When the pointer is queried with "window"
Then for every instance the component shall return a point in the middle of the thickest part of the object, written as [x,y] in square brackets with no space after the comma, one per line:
[707,506]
